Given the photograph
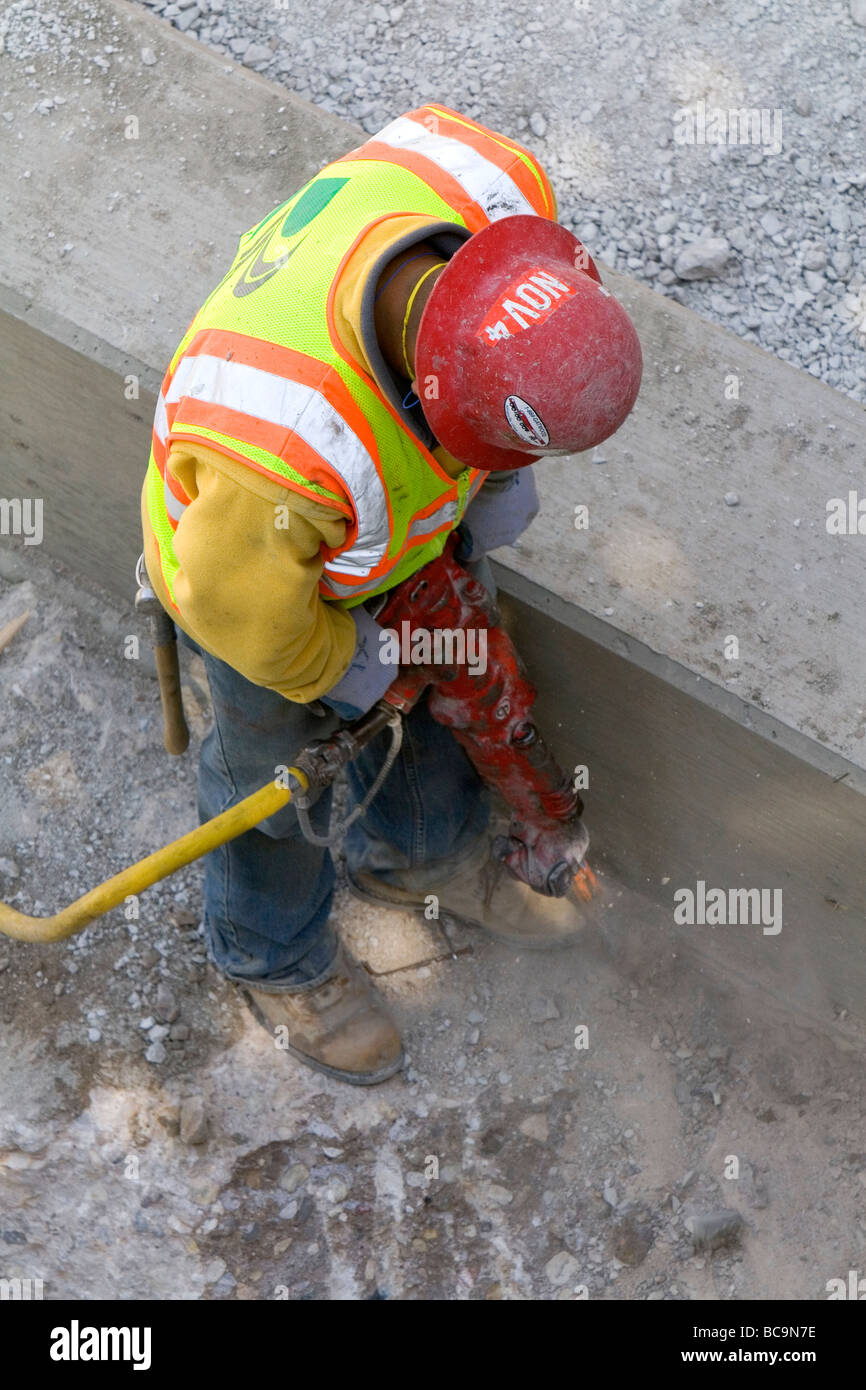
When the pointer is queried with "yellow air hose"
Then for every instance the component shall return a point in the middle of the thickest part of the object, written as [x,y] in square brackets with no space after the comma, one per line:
[316,767]
[235,821]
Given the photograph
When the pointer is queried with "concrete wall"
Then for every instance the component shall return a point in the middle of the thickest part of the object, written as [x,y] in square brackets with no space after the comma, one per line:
[679,792]
[71,437]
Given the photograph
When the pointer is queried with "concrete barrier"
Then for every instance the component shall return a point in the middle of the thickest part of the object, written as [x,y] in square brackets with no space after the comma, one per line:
[704,658]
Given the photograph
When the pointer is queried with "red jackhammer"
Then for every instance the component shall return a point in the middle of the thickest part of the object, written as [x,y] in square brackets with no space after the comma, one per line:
[489,712]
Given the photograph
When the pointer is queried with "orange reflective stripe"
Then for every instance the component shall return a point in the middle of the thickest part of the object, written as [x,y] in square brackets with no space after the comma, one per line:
[174,496]
[159,453]
[174,487]
[442,183]
[261,434]
[509,156]
[233,449]
[296,366]
[304,460]
[263,416]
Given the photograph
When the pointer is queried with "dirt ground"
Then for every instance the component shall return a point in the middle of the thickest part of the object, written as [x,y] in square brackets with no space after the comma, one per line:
[154,1143]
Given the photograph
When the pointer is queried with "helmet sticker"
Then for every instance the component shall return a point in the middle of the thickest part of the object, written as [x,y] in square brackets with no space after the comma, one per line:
[531,299]
[526,423]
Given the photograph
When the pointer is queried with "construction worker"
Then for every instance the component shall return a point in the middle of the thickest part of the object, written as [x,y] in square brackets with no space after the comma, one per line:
[390,351]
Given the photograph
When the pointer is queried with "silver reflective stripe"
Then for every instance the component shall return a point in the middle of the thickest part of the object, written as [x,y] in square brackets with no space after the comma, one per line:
[347,590]
[424,525]
[482,477]
[421,526]
[160,420]
[173,506]
[494,191]
[306,412]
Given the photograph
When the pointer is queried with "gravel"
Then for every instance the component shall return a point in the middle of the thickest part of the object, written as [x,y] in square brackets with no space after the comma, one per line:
[194,1125]
[712,1229]
[703,259]
[598,94]
[166,1006]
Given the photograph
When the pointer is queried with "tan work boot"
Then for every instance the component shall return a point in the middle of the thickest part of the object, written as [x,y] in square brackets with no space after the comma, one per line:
[340,1027]
[480,892]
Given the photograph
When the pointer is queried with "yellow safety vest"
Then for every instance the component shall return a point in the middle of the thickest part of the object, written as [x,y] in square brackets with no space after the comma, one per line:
[262,376]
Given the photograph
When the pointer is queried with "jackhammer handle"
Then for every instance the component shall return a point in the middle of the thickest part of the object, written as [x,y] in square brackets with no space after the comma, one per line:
[175,734]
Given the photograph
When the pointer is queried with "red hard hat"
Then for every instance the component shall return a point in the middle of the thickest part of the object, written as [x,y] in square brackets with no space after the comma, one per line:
[521,351]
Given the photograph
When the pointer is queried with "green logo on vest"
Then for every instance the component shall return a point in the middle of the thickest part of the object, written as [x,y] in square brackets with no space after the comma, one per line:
[253,268]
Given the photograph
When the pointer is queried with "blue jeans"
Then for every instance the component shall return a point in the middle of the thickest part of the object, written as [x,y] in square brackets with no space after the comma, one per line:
[268,893]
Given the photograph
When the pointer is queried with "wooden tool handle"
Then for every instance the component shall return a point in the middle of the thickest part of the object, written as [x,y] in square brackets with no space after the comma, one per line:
[175,734]
[9,631]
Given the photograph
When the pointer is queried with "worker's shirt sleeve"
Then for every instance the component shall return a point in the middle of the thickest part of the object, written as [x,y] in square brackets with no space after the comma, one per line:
[250,556]
[504,506]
